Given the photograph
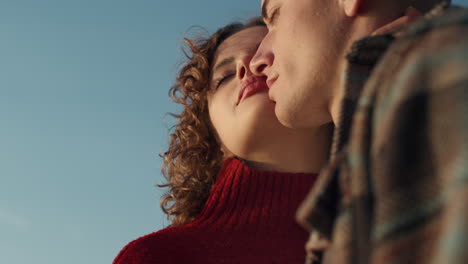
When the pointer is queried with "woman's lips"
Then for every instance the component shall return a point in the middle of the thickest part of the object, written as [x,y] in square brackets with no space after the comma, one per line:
[251,87]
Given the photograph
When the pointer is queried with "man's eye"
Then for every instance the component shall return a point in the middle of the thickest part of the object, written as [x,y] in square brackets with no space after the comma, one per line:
[274,16]
[221,80]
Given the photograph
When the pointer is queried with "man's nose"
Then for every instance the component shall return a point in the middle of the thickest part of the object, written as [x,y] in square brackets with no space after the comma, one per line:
[263,58]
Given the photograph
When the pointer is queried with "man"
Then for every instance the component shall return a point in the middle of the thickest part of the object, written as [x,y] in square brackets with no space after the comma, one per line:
[396,187]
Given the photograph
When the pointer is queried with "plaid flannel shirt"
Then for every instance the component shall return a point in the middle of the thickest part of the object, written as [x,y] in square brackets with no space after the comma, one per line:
[396,187]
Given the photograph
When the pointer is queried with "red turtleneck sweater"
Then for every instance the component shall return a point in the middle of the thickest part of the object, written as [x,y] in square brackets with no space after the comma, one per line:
[249,217]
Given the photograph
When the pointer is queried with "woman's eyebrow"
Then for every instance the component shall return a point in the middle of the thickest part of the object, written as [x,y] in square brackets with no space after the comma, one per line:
[224,62]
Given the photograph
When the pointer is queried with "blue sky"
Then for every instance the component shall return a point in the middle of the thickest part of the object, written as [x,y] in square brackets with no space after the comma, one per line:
[83,103]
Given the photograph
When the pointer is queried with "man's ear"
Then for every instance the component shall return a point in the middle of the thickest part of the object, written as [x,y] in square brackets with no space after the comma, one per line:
[352,7]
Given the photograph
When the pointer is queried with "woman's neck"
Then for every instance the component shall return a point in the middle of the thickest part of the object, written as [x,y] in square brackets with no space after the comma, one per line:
[306,152]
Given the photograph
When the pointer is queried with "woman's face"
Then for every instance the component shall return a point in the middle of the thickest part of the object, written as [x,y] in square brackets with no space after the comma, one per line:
[239,106]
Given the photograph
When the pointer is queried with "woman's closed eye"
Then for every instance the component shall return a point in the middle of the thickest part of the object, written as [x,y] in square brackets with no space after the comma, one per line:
[223,78]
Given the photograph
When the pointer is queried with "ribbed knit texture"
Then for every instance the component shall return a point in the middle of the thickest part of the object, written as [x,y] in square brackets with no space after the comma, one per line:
[249,217]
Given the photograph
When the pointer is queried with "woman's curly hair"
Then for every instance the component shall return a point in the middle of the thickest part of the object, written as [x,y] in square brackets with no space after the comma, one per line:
[194,157]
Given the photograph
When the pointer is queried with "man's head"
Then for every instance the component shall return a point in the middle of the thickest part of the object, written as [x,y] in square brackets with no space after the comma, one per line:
[304,52]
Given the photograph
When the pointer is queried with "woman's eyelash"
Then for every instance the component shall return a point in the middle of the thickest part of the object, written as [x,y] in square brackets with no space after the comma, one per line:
[223,78]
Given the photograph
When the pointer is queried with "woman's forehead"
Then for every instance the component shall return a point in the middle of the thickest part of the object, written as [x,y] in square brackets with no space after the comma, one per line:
[245,41]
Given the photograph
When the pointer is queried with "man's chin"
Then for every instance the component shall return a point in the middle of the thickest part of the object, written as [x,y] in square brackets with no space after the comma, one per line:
[298,119]
[284,117]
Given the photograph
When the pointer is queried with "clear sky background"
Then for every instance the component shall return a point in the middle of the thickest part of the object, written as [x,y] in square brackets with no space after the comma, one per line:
[83,103]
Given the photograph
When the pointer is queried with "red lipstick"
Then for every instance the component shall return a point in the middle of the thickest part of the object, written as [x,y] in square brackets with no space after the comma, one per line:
[251,86]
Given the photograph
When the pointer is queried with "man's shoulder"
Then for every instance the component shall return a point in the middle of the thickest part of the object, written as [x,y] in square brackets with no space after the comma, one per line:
[437,21]
[427,57]
[435,48]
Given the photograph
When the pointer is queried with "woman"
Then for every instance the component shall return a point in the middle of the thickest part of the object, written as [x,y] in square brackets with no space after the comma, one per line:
[236,176]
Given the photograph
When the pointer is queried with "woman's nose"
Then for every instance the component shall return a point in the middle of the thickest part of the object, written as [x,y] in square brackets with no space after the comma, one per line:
[243,70]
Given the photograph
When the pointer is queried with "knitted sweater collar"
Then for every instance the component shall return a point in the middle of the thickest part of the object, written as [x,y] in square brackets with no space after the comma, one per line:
[245,199]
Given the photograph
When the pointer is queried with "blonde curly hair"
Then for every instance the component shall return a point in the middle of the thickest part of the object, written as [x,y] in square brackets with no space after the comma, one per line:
[194,158]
